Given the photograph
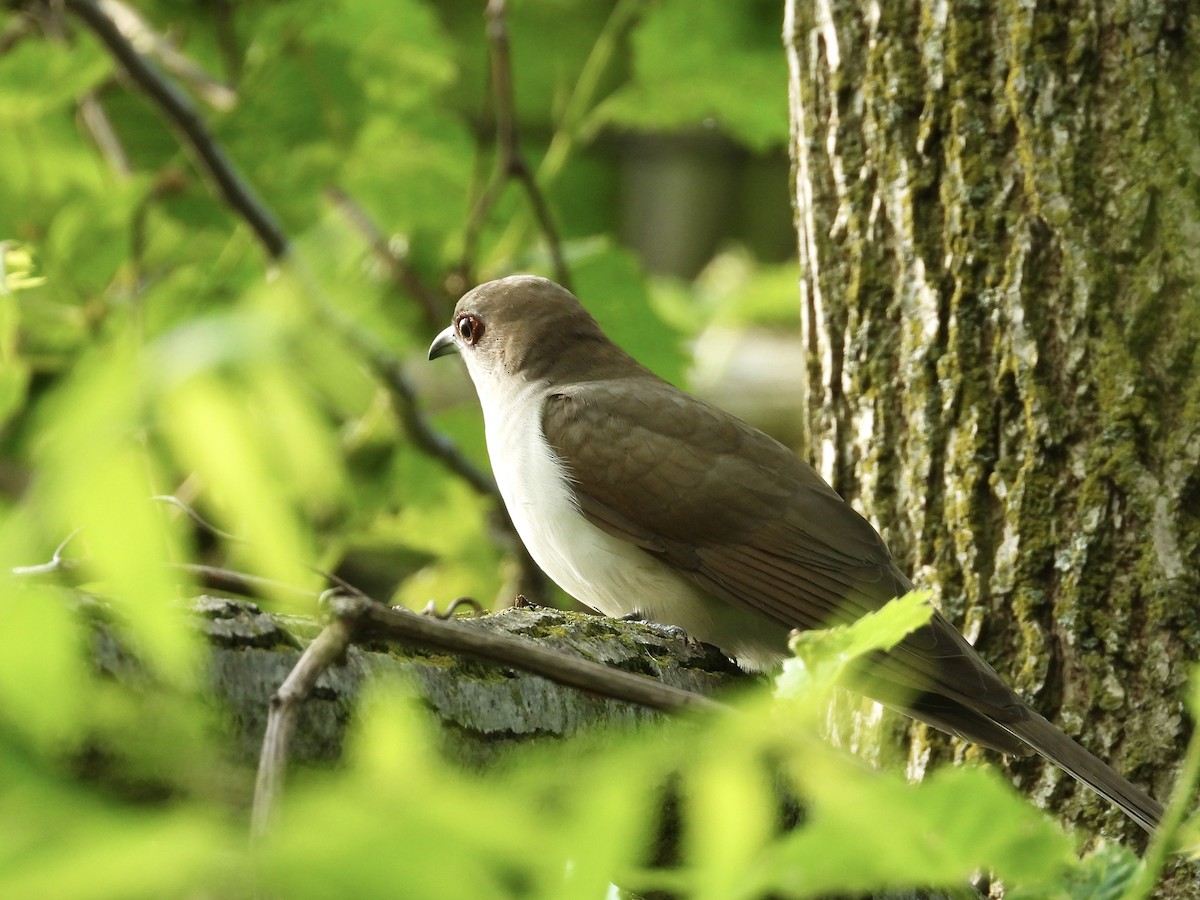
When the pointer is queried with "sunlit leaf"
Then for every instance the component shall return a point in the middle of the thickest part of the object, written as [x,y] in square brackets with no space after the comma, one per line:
[933,834]
[40,658]
[37,77]
[823,656]
[1103,874]
[704,62]
[97,478]
[229,441]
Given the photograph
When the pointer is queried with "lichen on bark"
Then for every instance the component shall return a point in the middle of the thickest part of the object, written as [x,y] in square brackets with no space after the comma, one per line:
[997,208]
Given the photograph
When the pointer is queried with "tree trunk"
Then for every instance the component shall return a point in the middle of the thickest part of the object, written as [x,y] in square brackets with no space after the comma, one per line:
[998,209]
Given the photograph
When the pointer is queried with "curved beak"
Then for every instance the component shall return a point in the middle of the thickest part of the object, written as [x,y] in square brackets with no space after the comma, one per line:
[443,344]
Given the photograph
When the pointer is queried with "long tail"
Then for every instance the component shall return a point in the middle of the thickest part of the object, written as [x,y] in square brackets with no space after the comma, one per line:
[1051,743]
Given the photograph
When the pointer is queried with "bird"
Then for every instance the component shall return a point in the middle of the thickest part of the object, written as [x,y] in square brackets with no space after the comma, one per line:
[642,501]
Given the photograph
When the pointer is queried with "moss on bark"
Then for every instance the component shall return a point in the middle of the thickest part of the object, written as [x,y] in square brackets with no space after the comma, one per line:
[998,209]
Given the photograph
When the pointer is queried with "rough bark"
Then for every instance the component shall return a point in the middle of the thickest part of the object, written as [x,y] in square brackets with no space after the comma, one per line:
[484,709]
[998,210]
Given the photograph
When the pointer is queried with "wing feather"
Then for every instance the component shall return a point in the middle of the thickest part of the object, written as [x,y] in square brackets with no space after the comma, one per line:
[755,526]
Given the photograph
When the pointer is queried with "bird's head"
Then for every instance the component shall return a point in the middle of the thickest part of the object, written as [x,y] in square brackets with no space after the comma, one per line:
[525,327]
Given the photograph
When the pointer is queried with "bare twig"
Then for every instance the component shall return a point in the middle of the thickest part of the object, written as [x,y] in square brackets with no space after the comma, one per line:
[205,525]
[431,608]
[510,162]
[433,306]
[148,41]
[95,119]
[358,615]
[182,115]
[406,626]
[389,370]
[242,583]
[56,563]
[328,647]
[572,124]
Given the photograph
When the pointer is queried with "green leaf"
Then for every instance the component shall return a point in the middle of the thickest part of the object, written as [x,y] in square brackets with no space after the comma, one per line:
[96,476]
[39,645]
[1103,874]
[868,832]
[824,655]
[59,840]
[39,77]
[412,172]
[613,288]
[700,62]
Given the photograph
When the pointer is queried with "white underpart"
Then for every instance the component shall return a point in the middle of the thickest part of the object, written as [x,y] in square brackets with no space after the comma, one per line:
[606,573]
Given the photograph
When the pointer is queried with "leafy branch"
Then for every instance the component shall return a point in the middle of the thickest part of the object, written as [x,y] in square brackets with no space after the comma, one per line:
[358,617]
[181,113]
[510,162]
[241,198]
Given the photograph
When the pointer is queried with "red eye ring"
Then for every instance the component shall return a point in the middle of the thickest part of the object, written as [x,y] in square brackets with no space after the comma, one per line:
[469,327]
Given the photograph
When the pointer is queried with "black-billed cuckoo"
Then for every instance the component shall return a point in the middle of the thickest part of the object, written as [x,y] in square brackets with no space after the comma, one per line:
[636,498]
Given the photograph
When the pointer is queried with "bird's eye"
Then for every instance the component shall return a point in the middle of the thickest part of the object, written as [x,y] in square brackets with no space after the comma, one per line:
[470,328]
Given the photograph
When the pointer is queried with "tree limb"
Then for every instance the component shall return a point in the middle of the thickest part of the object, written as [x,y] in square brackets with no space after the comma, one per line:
[432,305]
[397,623]
[182,115]
[510,163]
[148,41]
[329,646]
[357,617]
[237,193]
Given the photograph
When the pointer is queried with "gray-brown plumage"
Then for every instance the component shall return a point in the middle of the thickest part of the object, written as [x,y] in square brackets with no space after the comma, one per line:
[636,497]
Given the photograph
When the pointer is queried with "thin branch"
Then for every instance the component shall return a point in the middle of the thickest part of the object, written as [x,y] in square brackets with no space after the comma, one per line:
[148,41]
[458,636]
[571,125]
[500,57]
[328,647]
[510,163]
[545,219]
[480,211]
[180,112]
[203,523]
[358,615]
[388,369]
[57,562]
[433,306]
[95,119]
[242,583]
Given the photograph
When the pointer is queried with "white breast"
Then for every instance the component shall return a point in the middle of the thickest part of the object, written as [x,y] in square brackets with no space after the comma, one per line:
[606,573]
[596,568]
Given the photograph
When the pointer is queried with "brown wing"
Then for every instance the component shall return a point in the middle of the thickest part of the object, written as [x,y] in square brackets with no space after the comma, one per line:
[758,528]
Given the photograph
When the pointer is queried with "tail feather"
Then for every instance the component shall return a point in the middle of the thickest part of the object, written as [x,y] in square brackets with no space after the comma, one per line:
[1054,745]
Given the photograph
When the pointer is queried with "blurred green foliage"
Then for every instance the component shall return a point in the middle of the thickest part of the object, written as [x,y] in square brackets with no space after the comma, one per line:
[148,348]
